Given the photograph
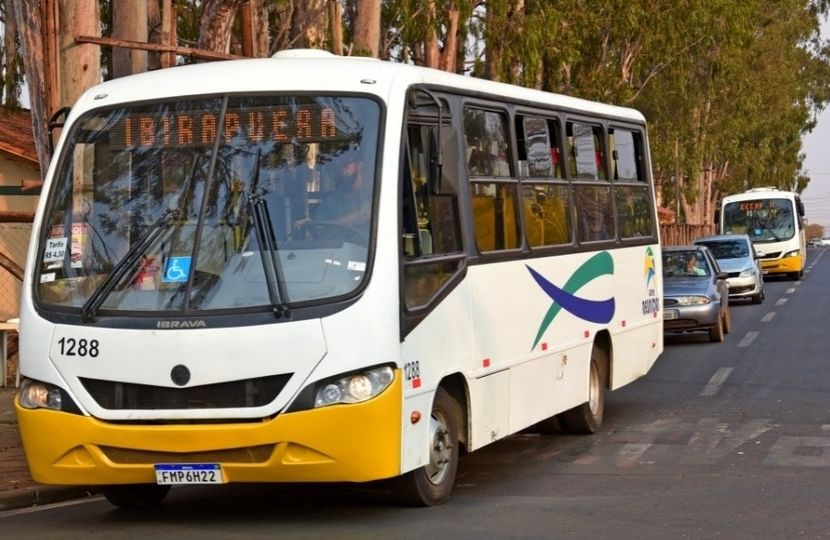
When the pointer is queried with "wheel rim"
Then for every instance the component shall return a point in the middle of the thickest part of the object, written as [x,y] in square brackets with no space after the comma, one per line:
[594,390]
[440,453]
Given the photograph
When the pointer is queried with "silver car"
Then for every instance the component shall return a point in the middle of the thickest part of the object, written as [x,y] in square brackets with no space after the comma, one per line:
[695,294]
[736,256]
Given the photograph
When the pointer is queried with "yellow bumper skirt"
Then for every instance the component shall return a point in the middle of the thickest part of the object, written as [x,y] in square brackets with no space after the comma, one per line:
[349,443]
[783,266]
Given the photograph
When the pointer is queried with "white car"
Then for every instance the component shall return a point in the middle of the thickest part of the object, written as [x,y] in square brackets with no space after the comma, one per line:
[736,256]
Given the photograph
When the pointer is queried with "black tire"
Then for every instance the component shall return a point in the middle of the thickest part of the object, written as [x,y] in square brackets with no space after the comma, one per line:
[716,332]
[587,418]
[758,298]
[132,496]
[432,484]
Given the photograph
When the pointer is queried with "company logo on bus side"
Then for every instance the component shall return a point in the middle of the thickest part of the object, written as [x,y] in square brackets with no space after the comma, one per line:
[196,323]
[651,305]
[596,311]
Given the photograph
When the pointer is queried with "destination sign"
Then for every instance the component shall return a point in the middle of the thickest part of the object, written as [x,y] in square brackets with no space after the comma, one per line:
[199,128]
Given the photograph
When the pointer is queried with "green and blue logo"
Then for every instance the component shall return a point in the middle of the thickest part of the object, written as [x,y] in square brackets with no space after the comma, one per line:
[595,311]
[650,267]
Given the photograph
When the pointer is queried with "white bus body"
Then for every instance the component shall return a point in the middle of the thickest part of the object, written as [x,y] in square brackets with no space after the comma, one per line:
[163,341]
[774,221]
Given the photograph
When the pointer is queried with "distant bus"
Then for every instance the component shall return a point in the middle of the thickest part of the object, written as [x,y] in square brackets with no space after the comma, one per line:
[198,309]
[774,221]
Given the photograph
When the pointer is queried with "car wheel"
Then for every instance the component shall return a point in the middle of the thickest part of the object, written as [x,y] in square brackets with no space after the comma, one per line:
[716,332]
[758,298]
[727,321]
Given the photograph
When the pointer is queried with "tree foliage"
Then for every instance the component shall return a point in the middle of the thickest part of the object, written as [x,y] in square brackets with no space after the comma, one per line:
[729,88]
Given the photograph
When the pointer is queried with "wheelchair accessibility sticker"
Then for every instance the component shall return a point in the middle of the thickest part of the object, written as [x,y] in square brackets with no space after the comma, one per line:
[177,270]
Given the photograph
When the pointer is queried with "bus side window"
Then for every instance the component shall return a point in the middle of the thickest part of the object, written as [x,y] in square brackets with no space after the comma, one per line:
[430,224]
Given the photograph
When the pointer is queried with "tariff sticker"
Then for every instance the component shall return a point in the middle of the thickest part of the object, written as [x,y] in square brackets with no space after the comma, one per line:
[55,249]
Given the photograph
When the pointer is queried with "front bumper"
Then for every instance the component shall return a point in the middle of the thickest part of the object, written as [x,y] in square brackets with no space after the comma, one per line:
[357,443]
[699,317]
[740,287]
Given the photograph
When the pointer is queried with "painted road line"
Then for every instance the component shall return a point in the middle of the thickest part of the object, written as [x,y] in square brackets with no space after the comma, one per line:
[791,290]
[781,302]
[748,339]
[768,317]
[717,380]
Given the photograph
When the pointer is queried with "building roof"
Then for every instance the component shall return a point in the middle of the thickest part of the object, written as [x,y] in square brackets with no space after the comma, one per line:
[16,134]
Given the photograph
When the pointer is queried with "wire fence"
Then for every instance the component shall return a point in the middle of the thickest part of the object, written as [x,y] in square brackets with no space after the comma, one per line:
[14,244]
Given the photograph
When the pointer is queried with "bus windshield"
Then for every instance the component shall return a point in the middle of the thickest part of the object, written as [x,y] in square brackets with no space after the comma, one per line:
[211,204]
[764,220]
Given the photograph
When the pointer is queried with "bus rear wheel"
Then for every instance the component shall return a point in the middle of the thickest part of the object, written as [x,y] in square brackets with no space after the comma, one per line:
[587,418]
[432,484]
[131,496]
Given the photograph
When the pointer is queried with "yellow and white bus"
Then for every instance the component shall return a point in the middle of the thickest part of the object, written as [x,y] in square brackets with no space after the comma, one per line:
[774,221]
[311,268]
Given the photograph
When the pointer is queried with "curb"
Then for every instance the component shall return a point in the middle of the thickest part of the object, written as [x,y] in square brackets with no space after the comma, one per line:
[37,496]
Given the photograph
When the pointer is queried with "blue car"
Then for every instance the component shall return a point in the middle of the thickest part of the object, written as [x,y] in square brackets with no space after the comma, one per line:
[695,293]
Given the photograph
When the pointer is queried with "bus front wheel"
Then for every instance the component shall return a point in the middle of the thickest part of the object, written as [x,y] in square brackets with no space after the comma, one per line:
[132,496]
[587,418]
[432,484]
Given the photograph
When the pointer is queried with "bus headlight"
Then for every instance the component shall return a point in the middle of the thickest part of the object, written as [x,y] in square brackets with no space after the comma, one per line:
[794,253]
[38,395]
[355,387]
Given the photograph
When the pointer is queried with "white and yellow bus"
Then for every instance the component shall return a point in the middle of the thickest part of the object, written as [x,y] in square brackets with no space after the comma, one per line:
[311,268]
[774,221]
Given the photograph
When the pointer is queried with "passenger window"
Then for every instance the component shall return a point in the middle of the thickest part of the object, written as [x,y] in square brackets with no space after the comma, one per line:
[539,155]
[586,156]
[594,213]
[626,155]
[487,143]
[546,214]
[634,211]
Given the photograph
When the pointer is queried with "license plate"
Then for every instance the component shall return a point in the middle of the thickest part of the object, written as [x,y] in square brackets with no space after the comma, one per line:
[188,473]
[669,314]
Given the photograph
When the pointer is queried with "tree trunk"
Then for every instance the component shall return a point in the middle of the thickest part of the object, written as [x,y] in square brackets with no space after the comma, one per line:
[336,20]
[80,66]
[432,57]
[309,25]
[448,55]
[11,88]
[367,28]
[129,21]
[216,25]
[154,35]
[29,15]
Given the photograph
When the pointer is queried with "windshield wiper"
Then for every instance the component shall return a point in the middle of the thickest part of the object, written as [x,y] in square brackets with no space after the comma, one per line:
[264,229]
[120,269]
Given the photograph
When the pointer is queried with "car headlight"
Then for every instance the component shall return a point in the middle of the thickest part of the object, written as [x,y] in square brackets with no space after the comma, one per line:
[794,253]
[354,388]
[692,300]
[38,395]
[748,272]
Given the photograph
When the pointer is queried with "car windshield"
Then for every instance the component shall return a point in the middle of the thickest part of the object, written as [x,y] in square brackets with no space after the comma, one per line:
[210,204]
[684,264]
[727,249]
[764,220]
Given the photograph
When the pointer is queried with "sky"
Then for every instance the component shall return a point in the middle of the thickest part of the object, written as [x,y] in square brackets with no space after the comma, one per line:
[816,147]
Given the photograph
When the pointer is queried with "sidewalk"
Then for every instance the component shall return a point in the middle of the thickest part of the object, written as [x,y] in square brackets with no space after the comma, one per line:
[17,489]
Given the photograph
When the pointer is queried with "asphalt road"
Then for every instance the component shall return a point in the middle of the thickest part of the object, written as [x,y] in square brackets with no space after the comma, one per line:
[728,440]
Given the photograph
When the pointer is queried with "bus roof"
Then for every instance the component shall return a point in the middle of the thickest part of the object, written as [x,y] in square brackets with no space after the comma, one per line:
[760,193]
[314,70]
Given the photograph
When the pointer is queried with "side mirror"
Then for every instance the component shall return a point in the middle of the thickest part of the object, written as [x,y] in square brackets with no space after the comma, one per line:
[721,275]
[717,216]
